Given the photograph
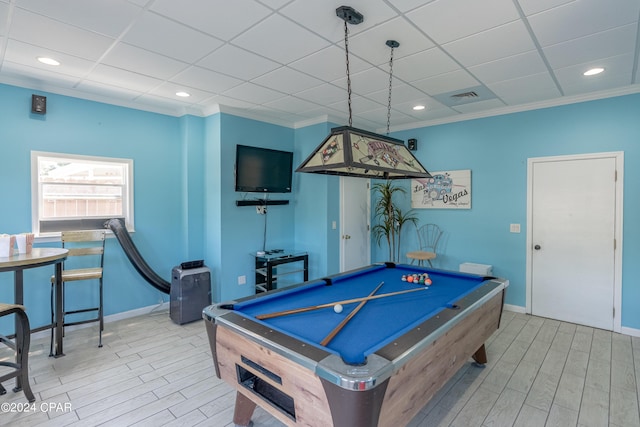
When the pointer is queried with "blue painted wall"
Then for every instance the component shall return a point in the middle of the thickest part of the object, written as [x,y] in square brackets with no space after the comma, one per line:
[185,200]
[77,126]
[496,150]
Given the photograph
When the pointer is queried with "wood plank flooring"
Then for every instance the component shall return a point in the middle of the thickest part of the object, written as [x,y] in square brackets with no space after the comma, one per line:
[152,372]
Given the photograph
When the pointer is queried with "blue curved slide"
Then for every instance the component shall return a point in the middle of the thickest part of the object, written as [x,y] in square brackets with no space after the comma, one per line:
[123,236]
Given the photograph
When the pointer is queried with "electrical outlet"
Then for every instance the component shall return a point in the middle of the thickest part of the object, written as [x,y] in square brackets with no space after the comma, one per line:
[242,280]
[514,228]
[261,210]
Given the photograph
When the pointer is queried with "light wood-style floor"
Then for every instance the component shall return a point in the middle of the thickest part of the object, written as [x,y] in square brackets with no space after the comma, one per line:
[152,372]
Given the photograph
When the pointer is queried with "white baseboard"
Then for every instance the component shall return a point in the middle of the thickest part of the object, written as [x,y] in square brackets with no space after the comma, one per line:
[630,331]
[515,308]
[110,318]
[623,330]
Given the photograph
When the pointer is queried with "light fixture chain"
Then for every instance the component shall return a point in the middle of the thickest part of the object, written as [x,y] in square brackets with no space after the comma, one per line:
[390,84]
[346,49]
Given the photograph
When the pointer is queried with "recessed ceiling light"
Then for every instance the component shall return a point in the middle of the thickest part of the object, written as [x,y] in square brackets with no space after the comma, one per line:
[593,71]
[48,61]
[183,94]
[419,107]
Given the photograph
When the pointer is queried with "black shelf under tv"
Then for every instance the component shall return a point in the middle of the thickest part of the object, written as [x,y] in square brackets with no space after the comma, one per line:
[259,202]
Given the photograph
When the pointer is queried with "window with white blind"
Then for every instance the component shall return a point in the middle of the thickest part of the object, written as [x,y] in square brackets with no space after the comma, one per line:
[73,192]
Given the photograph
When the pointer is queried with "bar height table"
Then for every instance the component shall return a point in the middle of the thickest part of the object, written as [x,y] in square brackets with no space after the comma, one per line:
[38,257]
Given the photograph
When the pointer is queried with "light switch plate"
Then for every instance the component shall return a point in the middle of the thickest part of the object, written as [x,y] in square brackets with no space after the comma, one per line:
[514,228]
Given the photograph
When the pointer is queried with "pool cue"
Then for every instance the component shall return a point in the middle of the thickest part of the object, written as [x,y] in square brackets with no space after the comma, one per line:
[331,304]
[341,325]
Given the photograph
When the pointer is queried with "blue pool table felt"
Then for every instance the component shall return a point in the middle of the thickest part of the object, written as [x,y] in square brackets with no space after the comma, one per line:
[378,323]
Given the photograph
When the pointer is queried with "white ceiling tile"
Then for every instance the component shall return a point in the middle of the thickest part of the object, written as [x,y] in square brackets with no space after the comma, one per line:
[509,68]
[445,21]
[142,61]
[429,63]
[474,107]
[533,88]
[220,18]
[529,7]
[359,105]
[287,80]
[129,51]
[253,93]
[106,90]
[107,17]
[292,105]
[370,44]
[365,82]
[617,41]
[400,93]
[324,94]
[169,90]
[444,83]
[617,73]
[274,4]
[278,38]
[499,42]
[161,35]
[197,77]
[231,102]
[123,78]
[580,18]
[237,62]
[57,36]
[156,100]
[4,12]
[26,54]
[329,64]
[407,5]
[37,76]
[320,16]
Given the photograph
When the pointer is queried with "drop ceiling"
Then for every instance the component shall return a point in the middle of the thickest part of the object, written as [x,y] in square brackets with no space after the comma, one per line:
[283,61]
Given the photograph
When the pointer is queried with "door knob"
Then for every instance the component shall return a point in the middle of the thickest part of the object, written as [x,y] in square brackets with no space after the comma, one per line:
[536,247]
[346,237]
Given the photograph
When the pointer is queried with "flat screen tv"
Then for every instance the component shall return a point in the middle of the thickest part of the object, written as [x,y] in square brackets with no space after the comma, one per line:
[263,170]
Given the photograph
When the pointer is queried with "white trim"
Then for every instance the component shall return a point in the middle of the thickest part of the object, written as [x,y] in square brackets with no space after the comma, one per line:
[630,331]
[618,233]
[555,102]
[515,308]
[204,111]
[128,186]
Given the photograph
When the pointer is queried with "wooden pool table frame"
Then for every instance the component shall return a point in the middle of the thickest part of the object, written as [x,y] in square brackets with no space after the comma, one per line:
[319,389]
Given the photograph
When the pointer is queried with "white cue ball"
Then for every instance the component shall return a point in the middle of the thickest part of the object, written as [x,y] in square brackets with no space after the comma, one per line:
[337,308]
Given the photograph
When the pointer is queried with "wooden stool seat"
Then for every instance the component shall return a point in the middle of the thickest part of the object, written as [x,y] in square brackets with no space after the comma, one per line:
[21,346]
[421,256]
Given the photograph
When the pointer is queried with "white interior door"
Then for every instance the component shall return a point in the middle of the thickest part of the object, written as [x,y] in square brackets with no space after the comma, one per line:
[572,239]
[355,243]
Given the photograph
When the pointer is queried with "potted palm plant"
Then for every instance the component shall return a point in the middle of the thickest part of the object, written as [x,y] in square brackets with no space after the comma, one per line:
[389,217]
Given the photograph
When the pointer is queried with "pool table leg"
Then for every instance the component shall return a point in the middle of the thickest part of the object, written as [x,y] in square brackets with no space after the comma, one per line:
[480,356]
[243,411]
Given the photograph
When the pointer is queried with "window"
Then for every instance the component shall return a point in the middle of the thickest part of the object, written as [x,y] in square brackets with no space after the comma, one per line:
[72,192]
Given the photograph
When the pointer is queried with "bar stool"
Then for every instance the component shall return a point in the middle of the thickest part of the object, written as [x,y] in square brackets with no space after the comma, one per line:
[21,346]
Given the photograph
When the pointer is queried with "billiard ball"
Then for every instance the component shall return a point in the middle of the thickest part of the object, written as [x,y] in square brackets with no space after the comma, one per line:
[337,308]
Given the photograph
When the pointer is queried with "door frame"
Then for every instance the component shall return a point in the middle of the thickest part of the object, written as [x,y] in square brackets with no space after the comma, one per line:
[619,184]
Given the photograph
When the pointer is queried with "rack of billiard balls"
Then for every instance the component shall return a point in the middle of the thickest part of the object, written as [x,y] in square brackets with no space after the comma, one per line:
[422,279]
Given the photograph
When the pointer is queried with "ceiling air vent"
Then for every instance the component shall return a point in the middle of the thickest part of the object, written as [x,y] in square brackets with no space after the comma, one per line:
[465,95]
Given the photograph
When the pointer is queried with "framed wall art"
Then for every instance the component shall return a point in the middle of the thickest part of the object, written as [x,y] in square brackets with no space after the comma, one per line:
[444,190]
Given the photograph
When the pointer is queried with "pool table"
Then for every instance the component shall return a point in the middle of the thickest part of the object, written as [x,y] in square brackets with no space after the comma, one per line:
[379,369]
